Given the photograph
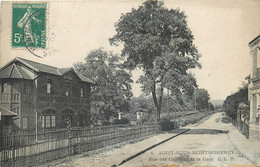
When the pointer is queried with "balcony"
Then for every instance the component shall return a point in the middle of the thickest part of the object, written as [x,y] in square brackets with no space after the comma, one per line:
[51,98]
[7,97]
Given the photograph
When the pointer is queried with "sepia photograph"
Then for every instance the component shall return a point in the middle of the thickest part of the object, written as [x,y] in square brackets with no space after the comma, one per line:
[130,83]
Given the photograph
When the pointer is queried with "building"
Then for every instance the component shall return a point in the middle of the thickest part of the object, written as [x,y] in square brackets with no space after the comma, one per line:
[254,89]
[44,97]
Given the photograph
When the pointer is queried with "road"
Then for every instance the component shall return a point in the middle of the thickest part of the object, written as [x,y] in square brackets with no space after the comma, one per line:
[206,144]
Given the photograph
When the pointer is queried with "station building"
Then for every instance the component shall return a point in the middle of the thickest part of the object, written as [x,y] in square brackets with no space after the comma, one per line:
[44,97]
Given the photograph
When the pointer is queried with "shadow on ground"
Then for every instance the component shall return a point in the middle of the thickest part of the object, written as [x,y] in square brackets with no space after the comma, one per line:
[176,131]
[198,131]
[207,131]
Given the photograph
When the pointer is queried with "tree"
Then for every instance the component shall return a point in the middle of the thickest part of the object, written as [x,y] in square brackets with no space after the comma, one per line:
[231,104]
[158,41]
[202,99]
[113,84]
[143,104]
[211,106]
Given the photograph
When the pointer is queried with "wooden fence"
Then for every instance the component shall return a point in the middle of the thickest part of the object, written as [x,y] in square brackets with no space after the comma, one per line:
[36,149]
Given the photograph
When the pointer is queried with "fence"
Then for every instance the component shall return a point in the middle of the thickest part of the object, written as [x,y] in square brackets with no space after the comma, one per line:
[242,127]
[35,149]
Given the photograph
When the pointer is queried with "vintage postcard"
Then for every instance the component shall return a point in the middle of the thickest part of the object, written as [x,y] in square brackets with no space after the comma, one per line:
[130,83]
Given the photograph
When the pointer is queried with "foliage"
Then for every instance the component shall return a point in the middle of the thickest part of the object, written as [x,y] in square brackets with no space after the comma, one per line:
[113,84]
[145,105]
[158,41]
[167,124]
[202,99]
[178,101]
[226,120]
[142,103]
[211,106]
[245,111]
[231,103]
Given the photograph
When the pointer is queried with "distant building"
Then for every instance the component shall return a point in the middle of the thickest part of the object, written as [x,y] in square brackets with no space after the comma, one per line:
[254,89]
[43,96]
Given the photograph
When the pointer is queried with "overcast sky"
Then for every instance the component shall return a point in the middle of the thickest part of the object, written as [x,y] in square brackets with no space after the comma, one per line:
[222,31]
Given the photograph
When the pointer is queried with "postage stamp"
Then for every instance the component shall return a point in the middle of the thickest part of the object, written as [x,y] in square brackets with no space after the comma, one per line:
[29,25]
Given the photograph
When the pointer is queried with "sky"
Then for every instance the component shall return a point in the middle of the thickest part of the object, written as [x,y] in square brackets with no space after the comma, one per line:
[222,30]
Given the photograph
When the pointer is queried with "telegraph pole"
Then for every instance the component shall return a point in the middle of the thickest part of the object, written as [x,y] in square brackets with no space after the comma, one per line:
[168,101]
[195,98]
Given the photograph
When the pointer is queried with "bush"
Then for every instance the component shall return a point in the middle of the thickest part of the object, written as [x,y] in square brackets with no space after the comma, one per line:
[226,120]
[106,123]
[167,124]
[123,121]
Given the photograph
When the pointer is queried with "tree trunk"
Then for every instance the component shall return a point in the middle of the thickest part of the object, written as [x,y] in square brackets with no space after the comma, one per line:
[155,99]
[158,105]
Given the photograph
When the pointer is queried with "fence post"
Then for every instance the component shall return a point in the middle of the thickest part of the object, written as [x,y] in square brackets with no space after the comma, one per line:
[70,147]
[13,151]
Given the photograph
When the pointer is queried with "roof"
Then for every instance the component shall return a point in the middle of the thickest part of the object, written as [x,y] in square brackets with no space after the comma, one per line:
[13,70]
[83,78]
[40,67]
[63,70]
[5,112]
[254,39]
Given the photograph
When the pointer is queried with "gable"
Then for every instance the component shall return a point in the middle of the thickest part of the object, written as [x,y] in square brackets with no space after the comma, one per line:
[15,70]
[71,76]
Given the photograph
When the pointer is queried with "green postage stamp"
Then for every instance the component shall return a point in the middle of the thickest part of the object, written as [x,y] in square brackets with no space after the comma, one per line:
[29,25]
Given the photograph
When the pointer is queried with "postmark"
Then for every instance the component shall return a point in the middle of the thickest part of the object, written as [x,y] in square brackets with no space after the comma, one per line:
[29,25]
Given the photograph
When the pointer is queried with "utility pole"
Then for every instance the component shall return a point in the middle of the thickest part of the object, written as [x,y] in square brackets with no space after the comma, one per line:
[168,110]
[195,98]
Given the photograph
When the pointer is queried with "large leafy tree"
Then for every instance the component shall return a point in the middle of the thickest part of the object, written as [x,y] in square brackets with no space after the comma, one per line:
[231,103]
[113,84]
[202,99]
[158,41]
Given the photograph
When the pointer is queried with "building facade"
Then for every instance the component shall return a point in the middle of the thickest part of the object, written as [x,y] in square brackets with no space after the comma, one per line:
[254,89]
[44,97]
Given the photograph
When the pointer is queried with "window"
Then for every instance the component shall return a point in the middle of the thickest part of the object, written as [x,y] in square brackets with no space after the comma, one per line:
[48,119]
[49,85]
[25,122]
[43,121]
[81,92]
[67,92]
[6,87]
[53,121]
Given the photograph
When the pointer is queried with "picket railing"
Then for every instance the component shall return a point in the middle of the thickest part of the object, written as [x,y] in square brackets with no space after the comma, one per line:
[35,149]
